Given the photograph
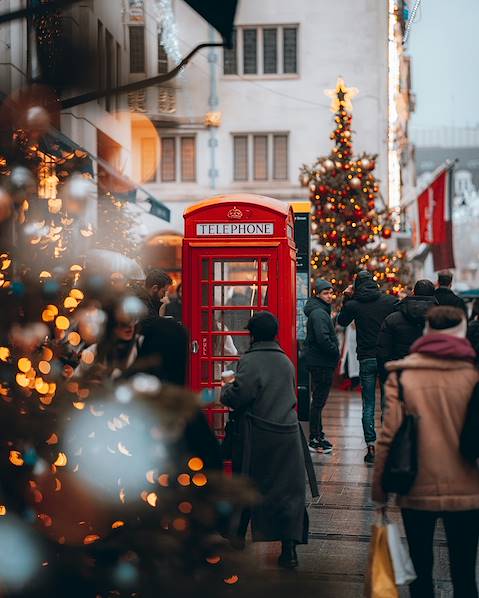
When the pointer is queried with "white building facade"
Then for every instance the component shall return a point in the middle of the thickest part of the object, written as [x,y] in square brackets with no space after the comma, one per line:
[246,119]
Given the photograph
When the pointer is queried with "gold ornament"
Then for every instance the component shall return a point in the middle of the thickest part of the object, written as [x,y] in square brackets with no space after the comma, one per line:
[355,182]
[365,163]
[312,187]
[328,164]
[304,179]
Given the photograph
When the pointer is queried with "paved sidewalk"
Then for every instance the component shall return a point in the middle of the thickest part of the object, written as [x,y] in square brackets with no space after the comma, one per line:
[334,563]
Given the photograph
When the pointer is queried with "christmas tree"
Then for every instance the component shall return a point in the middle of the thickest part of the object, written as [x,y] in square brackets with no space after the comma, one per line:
[348,228]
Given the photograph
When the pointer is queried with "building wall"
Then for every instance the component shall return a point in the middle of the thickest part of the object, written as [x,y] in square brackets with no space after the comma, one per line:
[347,39]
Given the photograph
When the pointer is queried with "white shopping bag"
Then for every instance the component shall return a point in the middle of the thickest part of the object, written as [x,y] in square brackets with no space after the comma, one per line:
[402,565]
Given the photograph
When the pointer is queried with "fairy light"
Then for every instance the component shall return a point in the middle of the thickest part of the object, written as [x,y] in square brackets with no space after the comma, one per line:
[167,25]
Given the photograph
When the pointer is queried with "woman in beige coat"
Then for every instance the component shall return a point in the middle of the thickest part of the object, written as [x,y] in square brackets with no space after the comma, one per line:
[438,380]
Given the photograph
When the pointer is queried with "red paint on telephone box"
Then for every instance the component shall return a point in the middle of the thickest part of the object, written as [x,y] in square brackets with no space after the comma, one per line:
[239,258]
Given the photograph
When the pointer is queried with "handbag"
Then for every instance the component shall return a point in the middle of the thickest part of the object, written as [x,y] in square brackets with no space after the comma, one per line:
[469,442]
[380,580]
[400,470]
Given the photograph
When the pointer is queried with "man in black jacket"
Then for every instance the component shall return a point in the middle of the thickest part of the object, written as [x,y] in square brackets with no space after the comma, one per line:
[322,356]
[367,307]
[444,294]
[404,326]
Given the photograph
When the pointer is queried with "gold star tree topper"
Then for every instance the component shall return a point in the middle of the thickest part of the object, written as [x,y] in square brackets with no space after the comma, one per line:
[341,96]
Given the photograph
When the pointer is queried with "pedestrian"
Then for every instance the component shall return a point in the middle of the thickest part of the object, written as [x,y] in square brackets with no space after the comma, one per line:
[321,354]
[173,307]
[405,325]
[263,395]
[368,307]
[473,327]
[116,350]
[444,294]
[154,292]
[438,379]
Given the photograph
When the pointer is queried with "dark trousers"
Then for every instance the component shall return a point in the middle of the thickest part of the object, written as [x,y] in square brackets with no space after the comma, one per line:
[321,381]
[462,533]
[368,374]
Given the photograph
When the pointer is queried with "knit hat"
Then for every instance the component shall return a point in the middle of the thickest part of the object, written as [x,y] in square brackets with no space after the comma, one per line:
[362,276]
[445,319]
[322,285]
[263,326]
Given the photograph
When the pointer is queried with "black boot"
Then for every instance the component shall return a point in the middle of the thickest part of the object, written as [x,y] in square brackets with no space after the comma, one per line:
[288,559]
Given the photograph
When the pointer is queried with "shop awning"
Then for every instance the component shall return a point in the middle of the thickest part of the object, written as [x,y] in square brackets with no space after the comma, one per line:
[54,143]
[219,13]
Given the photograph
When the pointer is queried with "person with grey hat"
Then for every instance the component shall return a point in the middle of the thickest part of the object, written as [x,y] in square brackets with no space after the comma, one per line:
[321,354]
[368,307]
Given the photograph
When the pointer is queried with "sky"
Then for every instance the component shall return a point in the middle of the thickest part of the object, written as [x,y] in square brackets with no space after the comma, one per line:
[444,46]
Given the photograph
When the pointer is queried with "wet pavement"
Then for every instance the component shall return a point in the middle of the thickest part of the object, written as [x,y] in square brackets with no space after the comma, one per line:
[334,563]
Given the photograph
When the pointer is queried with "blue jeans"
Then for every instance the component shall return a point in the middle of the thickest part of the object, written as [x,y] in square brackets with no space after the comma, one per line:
[368,374]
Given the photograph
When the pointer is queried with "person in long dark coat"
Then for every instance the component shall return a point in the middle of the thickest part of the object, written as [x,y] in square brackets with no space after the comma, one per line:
[263,393]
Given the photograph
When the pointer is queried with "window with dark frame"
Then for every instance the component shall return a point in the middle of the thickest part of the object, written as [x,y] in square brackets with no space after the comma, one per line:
[168,159]
[270,51]
[230,58]
[162,56]
[290,50]
[137,48]
[250,51]
[263,51]
[240,157]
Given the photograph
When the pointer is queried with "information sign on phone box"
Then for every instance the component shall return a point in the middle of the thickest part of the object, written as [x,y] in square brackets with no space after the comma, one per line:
[235,228]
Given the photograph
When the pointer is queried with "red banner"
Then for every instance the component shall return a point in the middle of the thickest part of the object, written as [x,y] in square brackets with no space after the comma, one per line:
[433,207]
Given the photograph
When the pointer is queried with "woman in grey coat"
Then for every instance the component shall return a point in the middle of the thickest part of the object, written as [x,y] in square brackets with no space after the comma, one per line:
[263,397]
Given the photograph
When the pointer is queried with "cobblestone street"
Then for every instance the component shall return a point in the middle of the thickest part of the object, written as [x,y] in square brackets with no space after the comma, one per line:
[334,563]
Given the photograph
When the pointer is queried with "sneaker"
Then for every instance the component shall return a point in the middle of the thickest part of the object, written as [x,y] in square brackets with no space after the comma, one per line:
[325,445]
[314,445]
[370,455]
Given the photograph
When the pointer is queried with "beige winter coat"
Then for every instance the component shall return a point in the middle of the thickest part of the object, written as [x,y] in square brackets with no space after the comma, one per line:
[438,391]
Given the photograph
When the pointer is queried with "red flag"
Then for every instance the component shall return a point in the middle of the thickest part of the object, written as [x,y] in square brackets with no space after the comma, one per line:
[435,219]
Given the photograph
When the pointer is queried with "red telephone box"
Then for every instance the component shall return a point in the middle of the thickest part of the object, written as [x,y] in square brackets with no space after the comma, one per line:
[239,258]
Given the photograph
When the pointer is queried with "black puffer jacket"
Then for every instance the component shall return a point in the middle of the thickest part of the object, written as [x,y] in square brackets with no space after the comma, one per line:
[321,347]
[445,296]
[402,328]
[368,308]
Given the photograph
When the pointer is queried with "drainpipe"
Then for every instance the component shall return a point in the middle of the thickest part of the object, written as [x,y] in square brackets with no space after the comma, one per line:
[213,102]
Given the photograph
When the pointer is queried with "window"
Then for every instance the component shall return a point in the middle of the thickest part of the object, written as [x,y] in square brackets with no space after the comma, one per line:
[110,70]
[137,49]
[230,58]
[250,52]
[100,61]
[270,51]
[148,159]
[162,56]
[178,156]
[280,157]
[290,50]
[263,51]
[188,159]
[260,157]
[168,159]
[240,143]
[118,76]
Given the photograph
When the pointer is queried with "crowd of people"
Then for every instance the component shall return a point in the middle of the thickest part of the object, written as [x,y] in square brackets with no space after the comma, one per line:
[422,351]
